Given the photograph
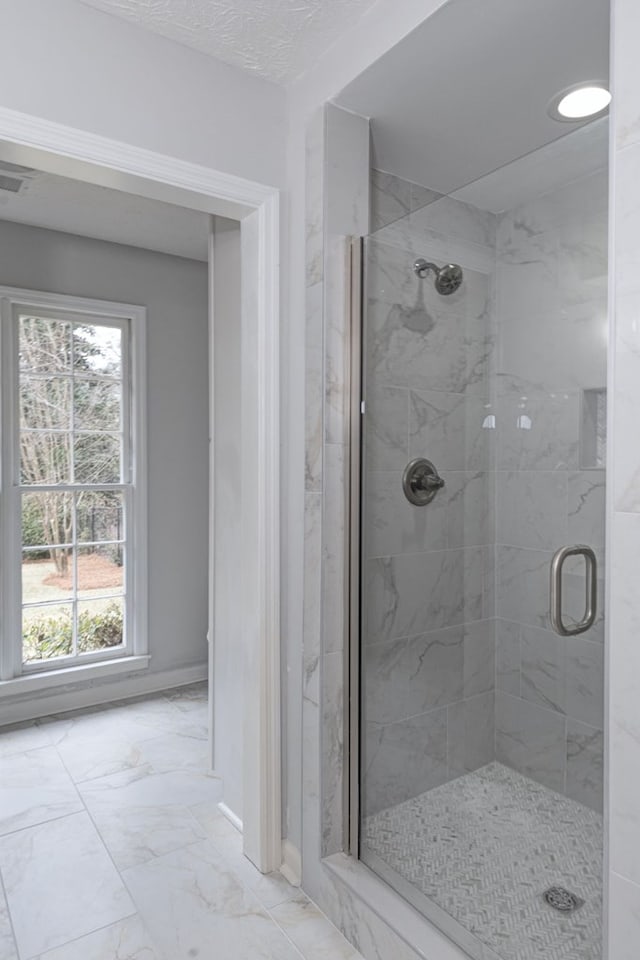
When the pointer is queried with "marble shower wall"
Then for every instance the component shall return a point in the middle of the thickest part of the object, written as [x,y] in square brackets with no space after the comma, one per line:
[336,207]
[535,280]
[428,627]
[551,309]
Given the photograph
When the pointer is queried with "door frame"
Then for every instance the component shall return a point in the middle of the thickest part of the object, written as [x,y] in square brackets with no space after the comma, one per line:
[71,152]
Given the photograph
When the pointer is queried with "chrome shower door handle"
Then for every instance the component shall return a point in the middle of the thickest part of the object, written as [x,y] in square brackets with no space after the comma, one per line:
[591,578]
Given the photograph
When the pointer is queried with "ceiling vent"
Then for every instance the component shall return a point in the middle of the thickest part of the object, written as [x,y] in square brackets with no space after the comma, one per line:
[13,176]
[10,184]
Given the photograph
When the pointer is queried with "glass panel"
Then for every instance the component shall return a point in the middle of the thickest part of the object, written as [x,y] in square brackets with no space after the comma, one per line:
[97,458]
[47,632]
[44,345]
[100,570]
[47,576]
[99,516]
[45,403]
[481,729]
[97,350]
[96,405]
[47,518]
[44,457]
[100,624]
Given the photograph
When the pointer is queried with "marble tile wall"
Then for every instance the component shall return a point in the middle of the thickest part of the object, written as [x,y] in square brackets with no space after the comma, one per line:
[428,628]
[337,171]
[539,288]
[551,307]
[337,207]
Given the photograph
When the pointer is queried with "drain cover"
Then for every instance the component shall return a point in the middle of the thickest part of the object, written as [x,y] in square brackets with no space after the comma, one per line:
[562,900]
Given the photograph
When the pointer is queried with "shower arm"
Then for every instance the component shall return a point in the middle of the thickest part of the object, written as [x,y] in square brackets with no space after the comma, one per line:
[421,267]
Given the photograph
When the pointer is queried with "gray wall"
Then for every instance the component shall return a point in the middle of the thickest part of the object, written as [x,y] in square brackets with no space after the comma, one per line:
[175,293]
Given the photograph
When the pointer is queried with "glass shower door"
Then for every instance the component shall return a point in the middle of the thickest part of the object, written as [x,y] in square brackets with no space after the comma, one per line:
[483,440]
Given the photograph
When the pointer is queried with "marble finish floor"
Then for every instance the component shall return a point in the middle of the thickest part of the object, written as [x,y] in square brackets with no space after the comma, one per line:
[112,847]
[484,847]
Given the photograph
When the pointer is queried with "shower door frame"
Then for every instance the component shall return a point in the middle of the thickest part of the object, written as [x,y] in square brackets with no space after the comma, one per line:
[356,281]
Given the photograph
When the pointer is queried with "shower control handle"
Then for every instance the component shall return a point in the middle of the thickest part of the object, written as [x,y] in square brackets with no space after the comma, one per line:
[421,482]
[430,483]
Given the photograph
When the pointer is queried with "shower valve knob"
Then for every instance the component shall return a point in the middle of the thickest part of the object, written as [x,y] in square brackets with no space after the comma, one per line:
[421,482]
[432,483]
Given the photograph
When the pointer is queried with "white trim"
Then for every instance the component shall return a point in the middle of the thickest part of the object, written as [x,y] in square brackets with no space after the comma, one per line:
[232,817]
[270,783]
[71,152]
[291,868]
[85,148]
[261,615]
[139,505]
[20,710]
[212,493]
[78,673]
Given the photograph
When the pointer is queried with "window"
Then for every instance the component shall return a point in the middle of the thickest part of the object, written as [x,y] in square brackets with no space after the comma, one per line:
[73,483]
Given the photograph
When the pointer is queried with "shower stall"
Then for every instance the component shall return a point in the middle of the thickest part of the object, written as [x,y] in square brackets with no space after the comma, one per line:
[479,518]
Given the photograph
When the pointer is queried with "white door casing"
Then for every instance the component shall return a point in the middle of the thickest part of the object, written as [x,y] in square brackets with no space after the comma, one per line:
[75,153]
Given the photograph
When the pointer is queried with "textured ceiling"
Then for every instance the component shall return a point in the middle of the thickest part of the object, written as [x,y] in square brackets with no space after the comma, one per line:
[278,39]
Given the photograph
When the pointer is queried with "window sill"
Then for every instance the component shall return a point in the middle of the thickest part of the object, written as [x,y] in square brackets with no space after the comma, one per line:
[71,675]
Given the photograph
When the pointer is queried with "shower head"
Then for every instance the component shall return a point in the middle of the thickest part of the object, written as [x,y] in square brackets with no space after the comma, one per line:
[447,278]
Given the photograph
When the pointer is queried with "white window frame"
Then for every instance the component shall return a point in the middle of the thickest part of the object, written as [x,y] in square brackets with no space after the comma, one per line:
[131,319]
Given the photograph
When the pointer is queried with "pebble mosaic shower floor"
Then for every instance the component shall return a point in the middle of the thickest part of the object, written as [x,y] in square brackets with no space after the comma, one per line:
[485,847]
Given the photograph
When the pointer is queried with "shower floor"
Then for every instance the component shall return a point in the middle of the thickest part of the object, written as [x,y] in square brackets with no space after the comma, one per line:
[485,847]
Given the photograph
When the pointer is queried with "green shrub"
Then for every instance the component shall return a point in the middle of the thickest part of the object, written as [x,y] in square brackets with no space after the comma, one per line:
[49,637]
[46,638]
[32,528]
[97,630]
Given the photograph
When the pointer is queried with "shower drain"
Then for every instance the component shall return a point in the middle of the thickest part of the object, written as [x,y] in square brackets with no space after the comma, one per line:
[562,900]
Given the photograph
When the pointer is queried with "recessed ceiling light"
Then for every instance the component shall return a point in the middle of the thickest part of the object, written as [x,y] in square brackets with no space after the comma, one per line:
[579,102]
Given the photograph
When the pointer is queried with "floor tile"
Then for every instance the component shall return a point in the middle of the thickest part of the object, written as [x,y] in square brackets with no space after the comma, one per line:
[141,767]
[101,729]
[19,740]
[141,814]
[35,787]
[312,932]
[126,940]
[91,759]
[189,698]
[60,884]
[174,752]
[195,906]
[166,716]
[7,943]
[270,888]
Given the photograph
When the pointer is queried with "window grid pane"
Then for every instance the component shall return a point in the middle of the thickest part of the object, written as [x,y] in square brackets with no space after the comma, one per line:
[72,420]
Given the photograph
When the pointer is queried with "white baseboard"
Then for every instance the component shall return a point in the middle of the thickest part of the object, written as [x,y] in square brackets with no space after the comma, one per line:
[94,694]
[230,815]
[291,868]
